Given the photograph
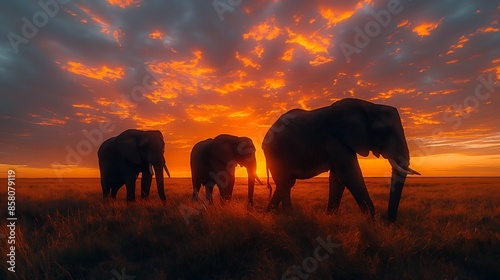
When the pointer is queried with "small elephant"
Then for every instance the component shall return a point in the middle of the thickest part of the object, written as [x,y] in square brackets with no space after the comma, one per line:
[123,157]
[302,144]
[213,162]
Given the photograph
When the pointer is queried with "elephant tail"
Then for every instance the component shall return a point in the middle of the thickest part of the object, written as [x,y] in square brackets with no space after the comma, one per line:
[268,184]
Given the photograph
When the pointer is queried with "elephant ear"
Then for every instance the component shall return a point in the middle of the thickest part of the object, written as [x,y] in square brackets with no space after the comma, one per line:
[386,131]
[127,146]
[243,148]
[350,125]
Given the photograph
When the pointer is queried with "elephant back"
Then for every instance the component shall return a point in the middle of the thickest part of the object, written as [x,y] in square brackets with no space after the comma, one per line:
[107,148]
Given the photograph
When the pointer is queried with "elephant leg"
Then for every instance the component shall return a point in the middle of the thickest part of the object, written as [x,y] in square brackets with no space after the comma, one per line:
[285,196]
[209,188]
[274,202]
[130,184]
[349,174]
[281,194]
[146,184]
[228,188]
[105,189]
[335,193]
[115,187]
[276,198]
[114,191]
[196,188]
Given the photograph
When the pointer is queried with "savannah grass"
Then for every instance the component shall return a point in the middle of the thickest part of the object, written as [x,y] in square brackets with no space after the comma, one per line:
[447,228]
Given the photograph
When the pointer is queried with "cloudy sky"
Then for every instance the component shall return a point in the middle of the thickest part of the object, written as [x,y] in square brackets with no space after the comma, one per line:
[195,69]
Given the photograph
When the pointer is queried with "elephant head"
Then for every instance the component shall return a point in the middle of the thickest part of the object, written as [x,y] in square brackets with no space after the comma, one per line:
[364,126]
[245,157]
[144,149]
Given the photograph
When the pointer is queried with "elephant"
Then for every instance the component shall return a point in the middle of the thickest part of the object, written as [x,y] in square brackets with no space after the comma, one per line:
[302,144]
[123,157]
[213,162]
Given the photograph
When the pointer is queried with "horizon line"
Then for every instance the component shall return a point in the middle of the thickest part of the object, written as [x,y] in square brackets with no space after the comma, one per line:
[471,176]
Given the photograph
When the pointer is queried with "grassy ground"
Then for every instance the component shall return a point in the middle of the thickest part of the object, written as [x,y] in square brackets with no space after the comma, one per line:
[447,228]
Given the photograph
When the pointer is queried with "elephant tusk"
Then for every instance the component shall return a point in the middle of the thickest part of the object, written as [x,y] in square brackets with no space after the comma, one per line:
[397,167]
[258,180]
[151,169]
[166,169]
[408,171]
[413,172]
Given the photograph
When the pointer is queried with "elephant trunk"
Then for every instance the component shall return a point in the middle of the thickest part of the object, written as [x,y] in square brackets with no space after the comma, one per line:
[252,177]
[251,184]
[397,182]
[159,181]
[398,179]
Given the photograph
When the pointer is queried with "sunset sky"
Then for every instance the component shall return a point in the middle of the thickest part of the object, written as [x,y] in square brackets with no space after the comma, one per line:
[196,69]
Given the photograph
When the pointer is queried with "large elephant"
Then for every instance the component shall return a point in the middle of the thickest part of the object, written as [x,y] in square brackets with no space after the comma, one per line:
[123,157]
[302,144]
[213,162]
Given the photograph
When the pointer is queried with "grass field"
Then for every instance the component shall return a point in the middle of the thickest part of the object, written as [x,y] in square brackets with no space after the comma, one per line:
[447,228]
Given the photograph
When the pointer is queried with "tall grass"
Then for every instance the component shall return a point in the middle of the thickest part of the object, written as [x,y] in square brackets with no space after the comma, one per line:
[446,229]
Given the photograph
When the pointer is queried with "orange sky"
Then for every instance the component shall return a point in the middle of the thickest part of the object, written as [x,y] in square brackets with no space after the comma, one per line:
[182,69]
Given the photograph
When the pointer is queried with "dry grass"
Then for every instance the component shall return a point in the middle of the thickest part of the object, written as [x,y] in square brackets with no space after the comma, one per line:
[447,228]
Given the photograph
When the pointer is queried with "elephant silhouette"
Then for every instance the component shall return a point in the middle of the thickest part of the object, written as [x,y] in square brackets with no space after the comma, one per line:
[213,162]
[123,157]
[302,144]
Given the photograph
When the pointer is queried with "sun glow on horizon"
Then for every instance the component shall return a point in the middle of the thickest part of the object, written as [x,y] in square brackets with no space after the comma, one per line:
[444,165]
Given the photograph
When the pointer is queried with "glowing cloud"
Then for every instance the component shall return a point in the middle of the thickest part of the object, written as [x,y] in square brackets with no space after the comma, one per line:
[43,121]
[424,118]
[247,61]
[488,29]
[274,83]
[106,28]
[158,35]
[320,59]
[265,30]
[118,34]
[333,17]
[103,73]
[148,123]
[388,94]
[83,106]
[425,29]
[443,92]
[238,83]
[404,23]
[239,114]
[313,43]
[125,3]
[288,55]
[258,51]
[117,107]
[461,41]
[205,112]
[180,77]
